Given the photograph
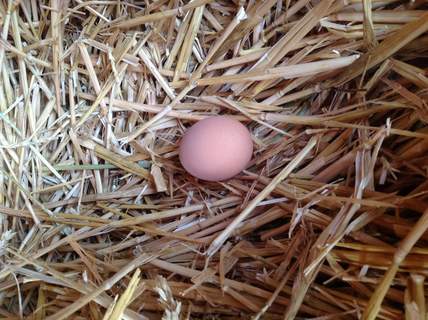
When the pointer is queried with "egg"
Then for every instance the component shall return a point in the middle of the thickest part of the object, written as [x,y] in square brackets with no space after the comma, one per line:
[216,148]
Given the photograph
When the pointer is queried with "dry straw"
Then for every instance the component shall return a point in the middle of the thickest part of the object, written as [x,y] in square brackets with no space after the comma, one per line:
[98,220]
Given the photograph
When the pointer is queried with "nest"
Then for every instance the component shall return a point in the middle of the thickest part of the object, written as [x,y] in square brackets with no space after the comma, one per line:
[98,220]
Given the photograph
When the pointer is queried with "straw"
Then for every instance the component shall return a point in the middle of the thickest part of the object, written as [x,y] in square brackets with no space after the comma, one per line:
[99,219]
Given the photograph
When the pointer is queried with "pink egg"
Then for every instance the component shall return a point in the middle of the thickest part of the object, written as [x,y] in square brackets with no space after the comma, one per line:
[216,148]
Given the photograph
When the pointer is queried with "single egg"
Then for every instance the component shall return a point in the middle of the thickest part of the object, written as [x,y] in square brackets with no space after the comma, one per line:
[216,148]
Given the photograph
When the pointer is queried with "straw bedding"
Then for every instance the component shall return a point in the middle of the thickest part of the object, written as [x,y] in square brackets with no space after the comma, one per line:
[98,220]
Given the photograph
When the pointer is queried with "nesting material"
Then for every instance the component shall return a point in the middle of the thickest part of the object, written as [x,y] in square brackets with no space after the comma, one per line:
[99,220]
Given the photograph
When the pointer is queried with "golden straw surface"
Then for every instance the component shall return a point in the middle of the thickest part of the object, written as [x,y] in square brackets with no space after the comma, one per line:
[98,220]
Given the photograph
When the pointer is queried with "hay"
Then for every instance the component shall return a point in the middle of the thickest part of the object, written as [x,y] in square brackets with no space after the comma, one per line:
[98,220]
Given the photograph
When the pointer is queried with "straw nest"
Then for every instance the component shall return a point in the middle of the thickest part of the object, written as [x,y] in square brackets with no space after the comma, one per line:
[98,220]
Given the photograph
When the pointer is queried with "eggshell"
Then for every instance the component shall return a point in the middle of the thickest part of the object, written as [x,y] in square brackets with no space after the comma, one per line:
[216,148]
